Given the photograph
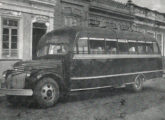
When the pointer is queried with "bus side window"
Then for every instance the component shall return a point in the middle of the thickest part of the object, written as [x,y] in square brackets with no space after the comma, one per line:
[156,49]
[149,48]
[132,47]
[111,47]
[83,46]
[97,46]
[123,46]
[141,48]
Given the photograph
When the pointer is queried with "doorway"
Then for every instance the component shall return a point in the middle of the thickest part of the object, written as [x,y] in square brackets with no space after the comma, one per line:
[39,29]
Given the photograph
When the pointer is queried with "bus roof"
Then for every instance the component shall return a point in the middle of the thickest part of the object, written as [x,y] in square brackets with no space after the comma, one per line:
[72,32]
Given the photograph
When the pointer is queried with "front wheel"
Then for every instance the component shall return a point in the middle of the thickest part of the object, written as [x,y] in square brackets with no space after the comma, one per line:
[46,92]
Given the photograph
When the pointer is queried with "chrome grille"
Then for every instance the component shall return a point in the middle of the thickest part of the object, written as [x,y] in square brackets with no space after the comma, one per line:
[16,81]
[18,70]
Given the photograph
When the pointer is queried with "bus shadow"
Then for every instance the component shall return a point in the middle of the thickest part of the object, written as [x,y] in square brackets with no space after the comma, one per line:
[94,94]
[103,93]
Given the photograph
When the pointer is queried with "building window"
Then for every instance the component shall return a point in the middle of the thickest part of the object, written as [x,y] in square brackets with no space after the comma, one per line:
[94,21]
[67,10]
[143,31]
[113,25]
[72,21]
[124,27]
[10,38]
[152,34]
[77,12]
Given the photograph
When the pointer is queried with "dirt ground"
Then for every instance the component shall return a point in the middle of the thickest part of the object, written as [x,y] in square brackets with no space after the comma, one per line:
[104,104]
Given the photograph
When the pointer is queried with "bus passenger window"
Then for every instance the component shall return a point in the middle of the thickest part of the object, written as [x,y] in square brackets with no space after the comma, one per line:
[132,47]
[155,46]
[97,47]
[141,48]
[123,46]
[83,46]
[111,47]
[149,48]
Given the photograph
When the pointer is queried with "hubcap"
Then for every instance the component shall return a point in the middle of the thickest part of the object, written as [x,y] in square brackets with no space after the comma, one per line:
[48,92]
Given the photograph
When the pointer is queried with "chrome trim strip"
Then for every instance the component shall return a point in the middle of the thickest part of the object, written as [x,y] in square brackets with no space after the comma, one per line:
[122,41]
[94,88]
[112,56]
[19,92]
[107,39]
[96,39]
[115,75]
[119,40]
[134,41]
[83,38]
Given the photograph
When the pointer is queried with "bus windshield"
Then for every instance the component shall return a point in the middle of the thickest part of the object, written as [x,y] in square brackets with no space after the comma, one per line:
[53,49]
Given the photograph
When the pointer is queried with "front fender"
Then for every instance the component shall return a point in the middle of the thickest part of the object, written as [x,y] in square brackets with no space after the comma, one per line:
[33,80]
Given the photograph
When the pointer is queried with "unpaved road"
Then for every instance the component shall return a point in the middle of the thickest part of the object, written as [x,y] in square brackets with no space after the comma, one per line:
[104,104]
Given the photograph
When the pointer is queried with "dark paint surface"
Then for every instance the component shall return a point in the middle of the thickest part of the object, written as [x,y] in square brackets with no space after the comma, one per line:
[93,68]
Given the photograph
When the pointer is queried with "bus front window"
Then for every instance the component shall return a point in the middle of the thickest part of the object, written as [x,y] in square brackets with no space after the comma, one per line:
[53,49]
[57,49]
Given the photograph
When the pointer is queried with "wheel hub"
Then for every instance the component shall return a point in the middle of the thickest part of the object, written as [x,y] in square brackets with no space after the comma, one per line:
[48,92]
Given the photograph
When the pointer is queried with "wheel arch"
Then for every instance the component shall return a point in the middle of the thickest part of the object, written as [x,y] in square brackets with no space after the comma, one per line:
[55,77]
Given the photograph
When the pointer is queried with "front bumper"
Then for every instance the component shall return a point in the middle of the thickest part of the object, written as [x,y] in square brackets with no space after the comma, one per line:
[17,92]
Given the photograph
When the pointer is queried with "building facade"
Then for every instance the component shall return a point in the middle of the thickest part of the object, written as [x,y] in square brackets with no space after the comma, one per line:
[93,13]
[22,23]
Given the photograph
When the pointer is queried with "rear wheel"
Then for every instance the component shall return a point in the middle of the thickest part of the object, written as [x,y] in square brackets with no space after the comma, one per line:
[138,83]
[46,92]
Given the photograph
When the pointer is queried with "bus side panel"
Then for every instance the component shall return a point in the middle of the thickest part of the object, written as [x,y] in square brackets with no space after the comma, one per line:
[97,73]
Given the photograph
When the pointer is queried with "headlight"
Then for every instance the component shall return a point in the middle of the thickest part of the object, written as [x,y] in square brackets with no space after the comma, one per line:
[28,74]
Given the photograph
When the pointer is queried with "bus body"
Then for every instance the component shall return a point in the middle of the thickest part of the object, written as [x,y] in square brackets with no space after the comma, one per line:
[77,59]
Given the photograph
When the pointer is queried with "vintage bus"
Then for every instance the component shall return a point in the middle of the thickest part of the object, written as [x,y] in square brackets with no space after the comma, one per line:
[78,59]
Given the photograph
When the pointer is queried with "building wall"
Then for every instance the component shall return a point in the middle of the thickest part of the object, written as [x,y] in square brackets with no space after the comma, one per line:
[71,13]
[26,13]
[95,13]
[110,14]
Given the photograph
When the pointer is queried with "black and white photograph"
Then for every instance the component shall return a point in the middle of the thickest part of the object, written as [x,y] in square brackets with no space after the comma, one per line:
[82,59]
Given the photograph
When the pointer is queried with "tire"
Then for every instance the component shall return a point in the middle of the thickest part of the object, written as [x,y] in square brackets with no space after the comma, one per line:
[138,83]
[46,92]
